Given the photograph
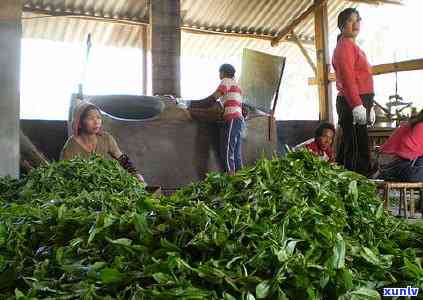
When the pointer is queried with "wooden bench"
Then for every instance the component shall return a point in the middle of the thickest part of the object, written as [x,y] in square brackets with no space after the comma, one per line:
[403,188]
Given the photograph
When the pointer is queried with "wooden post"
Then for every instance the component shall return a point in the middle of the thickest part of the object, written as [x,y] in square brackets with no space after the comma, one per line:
[323,60]
[10,55]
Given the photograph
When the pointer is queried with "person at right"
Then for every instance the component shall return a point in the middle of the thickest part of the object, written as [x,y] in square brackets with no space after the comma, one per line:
[402,153]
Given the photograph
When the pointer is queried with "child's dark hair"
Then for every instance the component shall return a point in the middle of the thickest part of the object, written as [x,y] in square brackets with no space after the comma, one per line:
[228,70]
[319,130]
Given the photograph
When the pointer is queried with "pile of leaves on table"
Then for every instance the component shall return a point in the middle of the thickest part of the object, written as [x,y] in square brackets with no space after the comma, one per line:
[289,228]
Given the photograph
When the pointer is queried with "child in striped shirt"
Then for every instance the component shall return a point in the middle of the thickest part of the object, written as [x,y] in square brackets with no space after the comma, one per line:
[229,92]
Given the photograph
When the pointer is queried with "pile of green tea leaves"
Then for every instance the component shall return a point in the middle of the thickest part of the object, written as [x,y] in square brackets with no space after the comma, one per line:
[288,228]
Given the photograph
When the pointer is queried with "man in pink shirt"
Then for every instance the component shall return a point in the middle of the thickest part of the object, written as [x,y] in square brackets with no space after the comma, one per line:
[403,152]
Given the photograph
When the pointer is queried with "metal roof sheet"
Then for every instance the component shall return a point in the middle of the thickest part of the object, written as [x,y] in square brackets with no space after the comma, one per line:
[261,17]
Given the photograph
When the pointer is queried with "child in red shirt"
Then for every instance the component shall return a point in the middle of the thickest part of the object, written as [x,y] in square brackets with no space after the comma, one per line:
[321,144]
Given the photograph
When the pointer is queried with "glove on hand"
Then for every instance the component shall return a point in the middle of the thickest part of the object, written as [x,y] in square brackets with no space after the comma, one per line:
[359,115]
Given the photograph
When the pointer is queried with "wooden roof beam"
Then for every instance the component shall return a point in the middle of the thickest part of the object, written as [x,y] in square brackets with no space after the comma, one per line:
[294,23]
[289,38]
[378,2]
[42,13]
[401,66]
[304,52]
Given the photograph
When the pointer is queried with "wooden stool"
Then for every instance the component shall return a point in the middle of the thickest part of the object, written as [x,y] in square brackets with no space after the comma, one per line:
[403,187]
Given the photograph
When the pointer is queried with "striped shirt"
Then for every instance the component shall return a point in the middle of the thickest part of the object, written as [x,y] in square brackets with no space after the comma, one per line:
[231,99]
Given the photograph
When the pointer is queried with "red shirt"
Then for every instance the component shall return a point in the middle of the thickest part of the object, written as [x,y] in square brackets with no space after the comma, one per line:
[313,146]
[405,142]
[353,72]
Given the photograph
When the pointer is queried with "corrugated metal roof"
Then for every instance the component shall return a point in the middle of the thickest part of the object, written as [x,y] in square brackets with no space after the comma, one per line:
[75,30]
[259,17]
[263,17]
[254,16]
[136,10]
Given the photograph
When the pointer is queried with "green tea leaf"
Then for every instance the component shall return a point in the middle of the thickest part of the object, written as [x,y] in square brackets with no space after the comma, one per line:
[262,290]
[293,227]
[379,211]
[324,281]
[98,265]
[352,190]
[250,297]
[61,211]
[338,258]
[290,247]
[348,279]
[311,294]
[365,294]
[282,295]
[19,294]
[122,241]
[227,296]
[369,256]
[162,278]
[3,234]
[110,276]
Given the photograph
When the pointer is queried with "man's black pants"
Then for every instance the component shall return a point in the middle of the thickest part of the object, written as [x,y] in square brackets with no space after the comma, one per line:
[353,152]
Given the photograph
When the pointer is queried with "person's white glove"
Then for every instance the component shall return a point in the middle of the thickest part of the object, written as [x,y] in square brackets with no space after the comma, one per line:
[372,116]
[359,115]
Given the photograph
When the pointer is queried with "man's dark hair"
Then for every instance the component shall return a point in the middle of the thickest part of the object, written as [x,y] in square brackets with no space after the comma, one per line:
[228,70]
[319,130]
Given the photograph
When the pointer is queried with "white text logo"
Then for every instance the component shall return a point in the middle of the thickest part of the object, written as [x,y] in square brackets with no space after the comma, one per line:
[408,291]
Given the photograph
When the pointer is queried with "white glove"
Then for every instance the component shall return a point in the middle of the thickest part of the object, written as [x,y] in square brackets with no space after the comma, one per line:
[372,116]
[359,115]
